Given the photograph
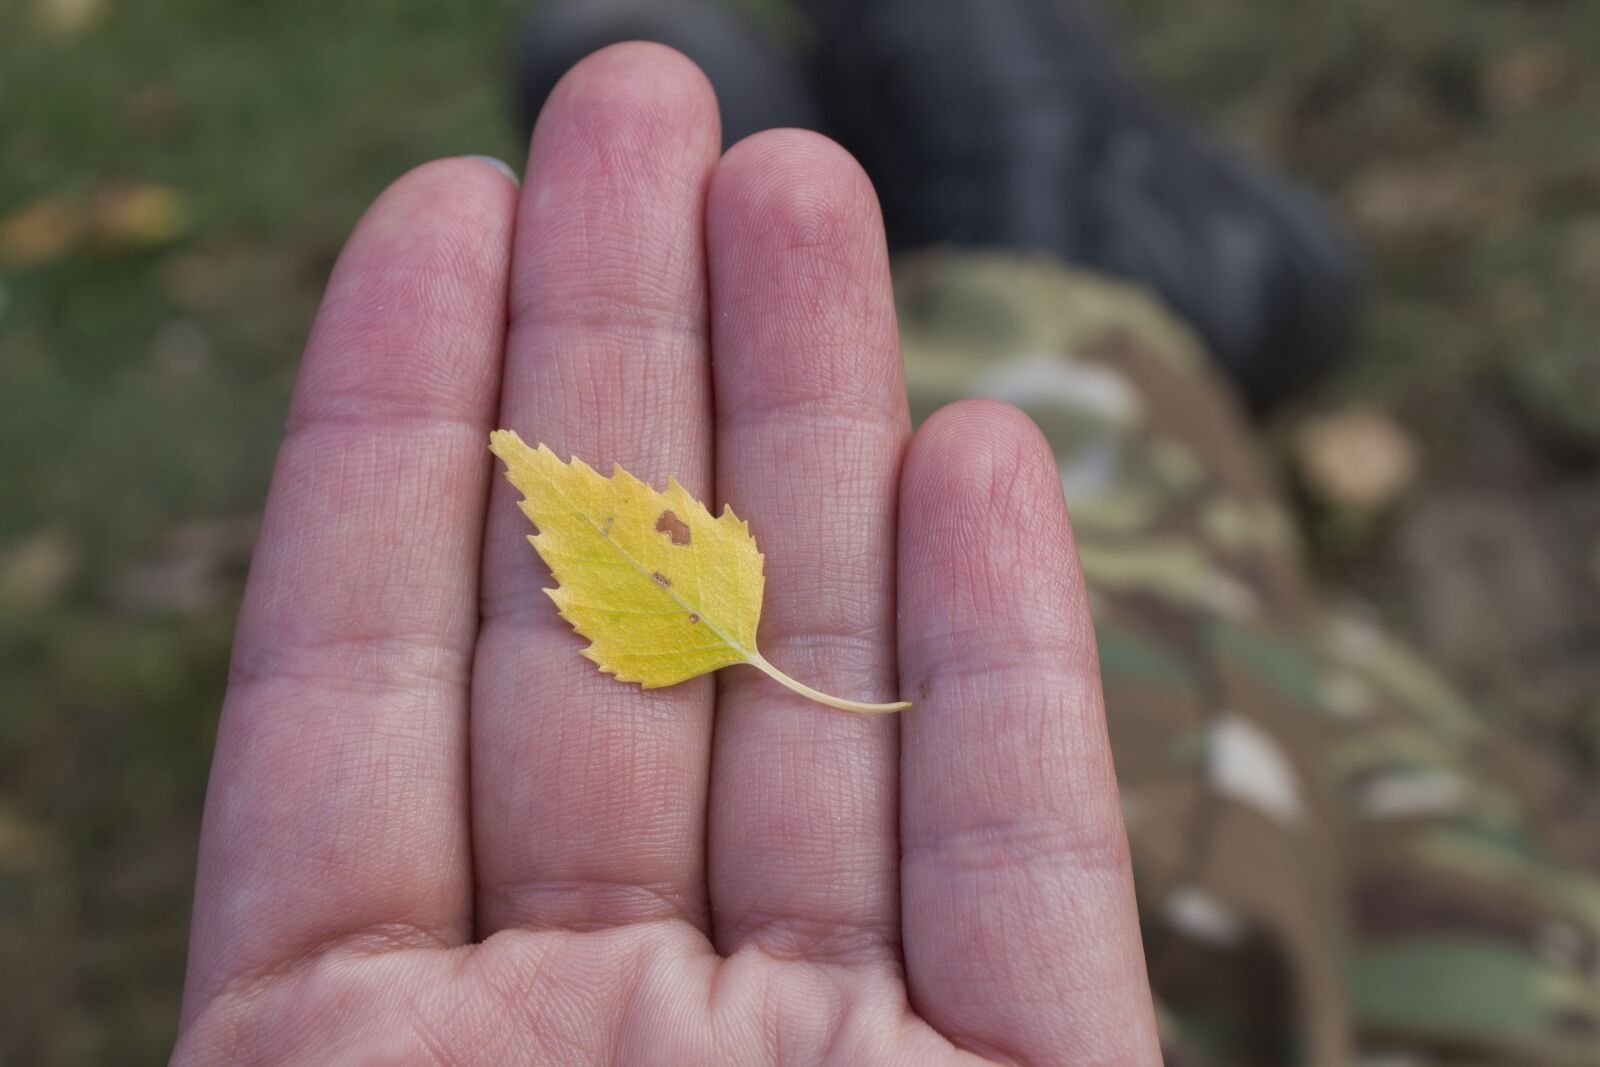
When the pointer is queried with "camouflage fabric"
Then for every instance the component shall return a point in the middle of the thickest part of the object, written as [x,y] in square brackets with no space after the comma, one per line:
[1339,862]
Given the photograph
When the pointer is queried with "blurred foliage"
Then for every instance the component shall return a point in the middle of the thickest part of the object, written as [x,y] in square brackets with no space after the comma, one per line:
[1458,137]
[179,177]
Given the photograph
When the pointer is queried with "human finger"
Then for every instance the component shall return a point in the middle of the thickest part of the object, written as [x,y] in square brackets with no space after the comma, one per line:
[338,800]
[589,794]
[811,425]
[1021,935]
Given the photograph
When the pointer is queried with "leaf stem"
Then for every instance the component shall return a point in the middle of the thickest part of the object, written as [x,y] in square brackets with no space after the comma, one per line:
[760,663]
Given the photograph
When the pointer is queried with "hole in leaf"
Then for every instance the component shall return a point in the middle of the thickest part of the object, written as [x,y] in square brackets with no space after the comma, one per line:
[673,527]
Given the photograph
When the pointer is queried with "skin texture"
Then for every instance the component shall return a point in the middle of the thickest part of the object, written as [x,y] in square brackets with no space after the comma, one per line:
[435,834]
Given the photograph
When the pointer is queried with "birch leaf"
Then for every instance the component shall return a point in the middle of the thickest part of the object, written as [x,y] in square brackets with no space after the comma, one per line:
[663,590]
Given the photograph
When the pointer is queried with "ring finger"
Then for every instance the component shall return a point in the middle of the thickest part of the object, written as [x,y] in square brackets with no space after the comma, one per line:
[811,427]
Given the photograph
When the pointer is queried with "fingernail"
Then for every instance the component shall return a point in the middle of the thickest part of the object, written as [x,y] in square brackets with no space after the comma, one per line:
[500,165]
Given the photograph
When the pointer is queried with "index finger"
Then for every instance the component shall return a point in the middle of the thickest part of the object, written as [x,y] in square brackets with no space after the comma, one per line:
[337,806]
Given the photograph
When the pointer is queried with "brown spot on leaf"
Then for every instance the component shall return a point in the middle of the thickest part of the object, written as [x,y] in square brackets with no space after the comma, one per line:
[694,616]
[661,579]
[673,527]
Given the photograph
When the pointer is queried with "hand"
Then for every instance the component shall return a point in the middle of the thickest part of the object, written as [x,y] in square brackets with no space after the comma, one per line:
[437,834]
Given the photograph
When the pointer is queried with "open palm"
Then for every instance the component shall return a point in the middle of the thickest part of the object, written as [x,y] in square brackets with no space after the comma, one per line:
[437,834]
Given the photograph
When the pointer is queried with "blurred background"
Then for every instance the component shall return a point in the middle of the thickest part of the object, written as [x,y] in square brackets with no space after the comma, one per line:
[179,175]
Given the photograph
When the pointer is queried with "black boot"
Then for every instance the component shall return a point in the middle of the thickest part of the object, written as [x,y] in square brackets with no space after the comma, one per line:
[1013,123]
[759,85]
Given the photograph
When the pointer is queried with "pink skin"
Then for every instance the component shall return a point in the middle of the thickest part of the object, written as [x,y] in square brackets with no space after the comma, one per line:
[712,873]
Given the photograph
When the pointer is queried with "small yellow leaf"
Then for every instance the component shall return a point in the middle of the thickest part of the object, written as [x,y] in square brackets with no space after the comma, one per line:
[40,232]
[138,215]
[663,590]
[66,18]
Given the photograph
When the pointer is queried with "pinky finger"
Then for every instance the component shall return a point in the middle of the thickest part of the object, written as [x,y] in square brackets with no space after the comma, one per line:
[1021,935]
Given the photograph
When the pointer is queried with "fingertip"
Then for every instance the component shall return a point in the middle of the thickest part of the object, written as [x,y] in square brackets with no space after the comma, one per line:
[454,192]
[799,188]
[987,561]
[984,460]
[425,267]
[449,215]
[992,417]
[627,66]
[499,166]
[610,222]
[635,92]
[800,280]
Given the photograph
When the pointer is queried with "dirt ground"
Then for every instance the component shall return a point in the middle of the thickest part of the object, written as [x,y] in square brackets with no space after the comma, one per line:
[179,176]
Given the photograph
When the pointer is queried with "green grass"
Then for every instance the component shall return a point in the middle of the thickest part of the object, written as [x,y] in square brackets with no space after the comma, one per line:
[141,391]
[276,124]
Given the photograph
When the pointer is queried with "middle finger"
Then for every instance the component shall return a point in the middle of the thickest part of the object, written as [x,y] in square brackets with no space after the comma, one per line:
[589,794]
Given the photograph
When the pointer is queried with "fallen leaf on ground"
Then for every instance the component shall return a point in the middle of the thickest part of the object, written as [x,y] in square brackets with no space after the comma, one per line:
[1405,198]
[1358,459]
[137,215]
[1526,78]
[118,216]
[40,232]
[663,591]
[1583,252]
[35,571]
[23,844]
[66,18]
